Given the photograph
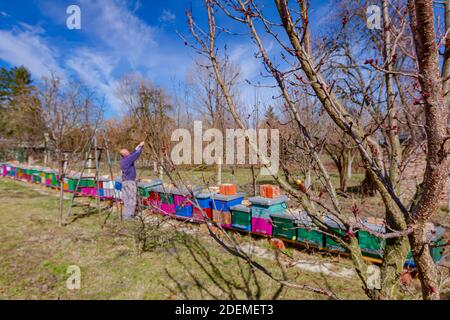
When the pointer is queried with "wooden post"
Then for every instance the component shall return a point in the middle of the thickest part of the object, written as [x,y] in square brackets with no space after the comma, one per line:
[62,172]
[46,151]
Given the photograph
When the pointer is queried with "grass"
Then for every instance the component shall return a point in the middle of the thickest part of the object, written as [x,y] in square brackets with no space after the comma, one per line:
[36,254]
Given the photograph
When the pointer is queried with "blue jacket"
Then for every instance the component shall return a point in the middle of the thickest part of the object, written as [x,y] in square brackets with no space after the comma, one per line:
[127,165]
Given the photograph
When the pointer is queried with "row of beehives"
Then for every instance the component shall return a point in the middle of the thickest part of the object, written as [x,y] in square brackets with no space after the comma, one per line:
[257,215]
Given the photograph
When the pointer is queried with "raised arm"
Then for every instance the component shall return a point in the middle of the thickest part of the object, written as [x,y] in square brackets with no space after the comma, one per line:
[136,152]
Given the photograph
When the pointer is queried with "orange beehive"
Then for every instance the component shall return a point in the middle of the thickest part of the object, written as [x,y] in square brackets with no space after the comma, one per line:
[228,189]
[269,191]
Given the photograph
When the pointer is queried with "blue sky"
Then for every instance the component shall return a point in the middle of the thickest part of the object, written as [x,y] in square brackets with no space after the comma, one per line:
[116,37]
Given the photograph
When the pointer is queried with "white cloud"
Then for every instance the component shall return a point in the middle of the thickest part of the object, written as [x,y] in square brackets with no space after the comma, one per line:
[167,16]
[120,30]
[242,55]
[119,42]
[29,49]
[95,70]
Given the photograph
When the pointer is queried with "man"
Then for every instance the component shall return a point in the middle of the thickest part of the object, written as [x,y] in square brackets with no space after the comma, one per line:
[129,187]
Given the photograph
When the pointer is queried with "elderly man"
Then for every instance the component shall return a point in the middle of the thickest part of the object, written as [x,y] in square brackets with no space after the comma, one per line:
[129,188]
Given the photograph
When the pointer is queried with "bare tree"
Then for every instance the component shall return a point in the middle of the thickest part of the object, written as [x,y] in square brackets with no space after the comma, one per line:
[305,70]
[71,115]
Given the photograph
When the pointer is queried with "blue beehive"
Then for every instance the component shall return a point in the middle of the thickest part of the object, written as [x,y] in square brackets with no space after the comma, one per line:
[203,200]
[223,202]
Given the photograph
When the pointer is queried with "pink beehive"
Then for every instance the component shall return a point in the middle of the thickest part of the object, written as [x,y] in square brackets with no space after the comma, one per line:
[262,226]
[167,208]
[89,191]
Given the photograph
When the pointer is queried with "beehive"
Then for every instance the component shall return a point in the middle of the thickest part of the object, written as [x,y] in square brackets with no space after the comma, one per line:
[284,226]
[307,232]
[241,217]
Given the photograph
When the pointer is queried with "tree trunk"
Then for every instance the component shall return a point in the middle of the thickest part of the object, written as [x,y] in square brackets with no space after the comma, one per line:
[349,164]
[61,192]
[368,188]
[343,172]
[254,179]
[424,262]
[422,23]
[395,254]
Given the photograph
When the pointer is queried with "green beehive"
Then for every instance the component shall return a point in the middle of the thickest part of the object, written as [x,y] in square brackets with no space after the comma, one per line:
[241,217]
[37,178]
[71,183]
[284,226]
[308,233]
[437,249]
[371,245]
[88,182]
[437,243]
[264,207]
[54,178]
[330,243]
[144,188]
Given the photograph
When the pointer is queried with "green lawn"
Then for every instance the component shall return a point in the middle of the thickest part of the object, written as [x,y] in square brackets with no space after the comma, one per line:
[35,254]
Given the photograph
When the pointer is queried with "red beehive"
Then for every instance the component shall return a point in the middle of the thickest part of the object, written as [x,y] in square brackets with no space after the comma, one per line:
[200,216]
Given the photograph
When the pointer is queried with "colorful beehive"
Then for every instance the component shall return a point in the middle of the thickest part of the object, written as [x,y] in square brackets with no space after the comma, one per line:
[48,177]
[4,172]
[154,200]
[36,177]
[202,206]
[144,190]
[262,209]
[330,242]
[42,173]
[308,233]
[29,174]
[221,205]
[166,199]
[183,203]
[284,226]
[241,217]
[54,179]
[12,171]
[86,184]
[19,172]
[118,188]
[70,182]
[106,188]
[371,245]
